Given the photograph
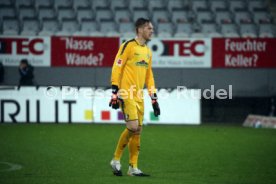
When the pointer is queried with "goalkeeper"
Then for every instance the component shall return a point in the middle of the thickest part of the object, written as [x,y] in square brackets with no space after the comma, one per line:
[130,72]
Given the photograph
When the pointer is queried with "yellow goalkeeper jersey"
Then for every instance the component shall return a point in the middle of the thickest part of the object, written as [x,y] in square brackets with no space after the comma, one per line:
[132,70]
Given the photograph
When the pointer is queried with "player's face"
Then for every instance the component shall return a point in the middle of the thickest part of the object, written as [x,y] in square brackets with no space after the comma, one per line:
[147,31]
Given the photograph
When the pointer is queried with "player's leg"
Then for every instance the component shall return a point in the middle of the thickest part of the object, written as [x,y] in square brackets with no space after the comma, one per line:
[134,145]
[130,114]
[131,117]
[122,143]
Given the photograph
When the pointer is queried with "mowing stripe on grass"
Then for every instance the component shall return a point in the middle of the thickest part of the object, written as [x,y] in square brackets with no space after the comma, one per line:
[12,167]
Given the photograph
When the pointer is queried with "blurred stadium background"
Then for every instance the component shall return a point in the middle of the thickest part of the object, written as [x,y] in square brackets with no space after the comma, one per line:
[254,89]
[223,153]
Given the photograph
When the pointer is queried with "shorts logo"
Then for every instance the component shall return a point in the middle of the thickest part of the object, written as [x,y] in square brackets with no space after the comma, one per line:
[119,62]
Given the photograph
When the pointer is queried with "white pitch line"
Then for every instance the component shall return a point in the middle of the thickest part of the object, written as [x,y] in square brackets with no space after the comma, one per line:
[12,167]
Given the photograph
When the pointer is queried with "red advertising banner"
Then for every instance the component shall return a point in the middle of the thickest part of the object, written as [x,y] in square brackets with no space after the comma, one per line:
[83,51]
[244,53]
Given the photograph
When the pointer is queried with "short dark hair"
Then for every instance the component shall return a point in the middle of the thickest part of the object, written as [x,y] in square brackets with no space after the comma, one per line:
[24,61]
[141,22]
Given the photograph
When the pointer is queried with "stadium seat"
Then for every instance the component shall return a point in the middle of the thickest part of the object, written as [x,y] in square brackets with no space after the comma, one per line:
[165,30]
[266,30]
[177,5]
[6,3]
[122,15]
[63,4]
[210,29]
[104,14]
[243,17]
[159,16]
[235,5]
[49,27]
[179,16]
[248,30]
[30,27]
[46,13]
[10,26]
[102,4]
[7,11]
[81,4]
[140,13]
[126,29]
[43,4]
[181,35]
[68,27]
[253,5]
[204,16]
[198,5]
[89,27]
[65,13]
[231,35]
[216,5]
[85,13]
[262,17]
[109,28]
[197,35]
[156,4]
[223,17]
[118,4]
[23,3]
[183,29]
[27,12]
[134,4]
[229,30]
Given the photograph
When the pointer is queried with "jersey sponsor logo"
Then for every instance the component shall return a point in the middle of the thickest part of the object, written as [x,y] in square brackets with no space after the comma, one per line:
[142,63]
[119,62]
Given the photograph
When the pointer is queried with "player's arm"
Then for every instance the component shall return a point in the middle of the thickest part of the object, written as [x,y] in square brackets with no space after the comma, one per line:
[118,65]
[152,90]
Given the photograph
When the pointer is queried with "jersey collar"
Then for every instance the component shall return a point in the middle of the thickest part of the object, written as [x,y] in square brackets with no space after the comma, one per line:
[137,42]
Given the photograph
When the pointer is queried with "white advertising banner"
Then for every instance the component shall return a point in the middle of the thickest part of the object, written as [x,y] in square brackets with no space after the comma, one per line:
[88,105]
[36,49]
[45,105]
[186,53]
[177,107]
[101,110]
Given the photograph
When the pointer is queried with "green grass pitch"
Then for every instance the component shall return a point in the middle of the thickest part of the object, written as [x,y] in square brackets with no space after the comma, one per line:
[80,154]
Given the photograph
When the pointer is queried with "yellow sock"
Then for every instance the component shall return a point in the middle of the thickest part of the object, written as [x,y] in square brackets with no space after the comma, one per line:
[123,141]
[134,148]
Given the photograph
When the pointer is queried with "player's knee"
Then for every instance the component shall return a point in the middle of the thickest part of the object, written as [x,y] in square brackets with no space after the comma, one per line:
[136,130]
[132,126]
[133,129]
[139,130]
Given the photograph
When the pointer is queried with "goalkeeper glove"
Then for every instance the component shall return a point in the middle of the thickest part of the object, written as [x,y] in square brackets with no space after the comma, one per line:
[155,105]
[114,102]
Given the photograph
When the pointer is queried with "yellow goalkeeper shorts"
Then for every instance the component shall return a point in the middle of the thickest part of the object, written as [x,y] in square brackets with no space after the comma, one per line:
[133,110]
